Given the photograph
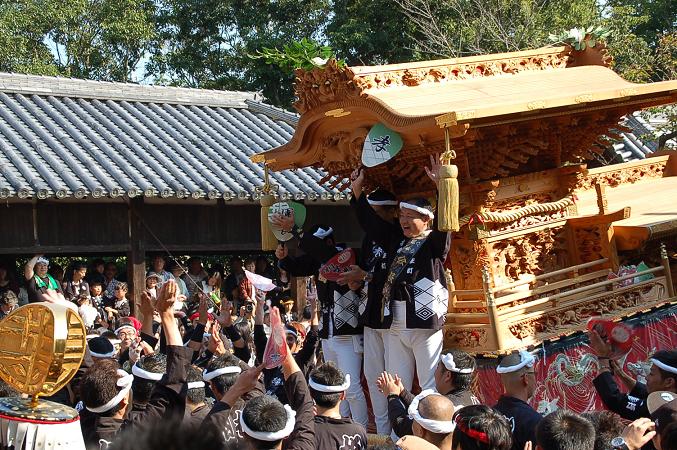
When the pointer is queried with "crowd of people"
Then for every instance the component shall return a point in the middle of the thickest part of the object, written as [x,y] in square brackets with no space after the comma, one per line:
[189,368]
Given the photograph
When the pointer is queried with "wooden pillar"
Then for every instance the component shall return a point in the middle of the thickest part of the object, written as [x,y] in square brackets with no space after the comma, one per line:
[136,255]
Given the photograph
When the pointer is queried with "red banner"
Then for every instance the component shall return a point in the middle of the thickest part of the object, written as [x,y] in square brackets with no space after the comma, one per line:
[565,374]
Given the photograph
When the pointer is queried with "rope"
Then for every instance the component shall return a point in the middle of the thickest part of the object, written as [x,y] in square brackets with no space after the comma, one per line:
[511,216]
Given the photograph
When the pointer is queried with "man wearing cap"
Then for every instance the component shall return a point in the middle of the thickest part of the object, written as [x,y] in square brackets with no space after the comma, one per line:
[196,406]
[631,406]
[266,423]
[415,297]
[519,383]
[433,418]
[328,387]
[661,428]
[147,372]
[340,330]
[223,419]
[453,379]
[105,389]
[41,286]
[372,271]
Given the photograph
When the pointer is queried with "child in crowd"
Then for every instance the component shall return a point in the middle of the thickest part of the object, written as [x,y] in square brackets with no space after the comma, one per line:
[152,281]
[118,306]
[89,314]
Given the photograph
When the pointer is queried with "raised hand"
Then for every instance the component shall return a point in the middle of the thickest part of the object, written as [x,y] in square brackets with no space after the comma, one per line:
[203,315]
[147,308]
[245,382]
[226,315]
[639,433]
[433,171]
[215,343]
[389,384]
[601,348]
[284,222]
[166,297]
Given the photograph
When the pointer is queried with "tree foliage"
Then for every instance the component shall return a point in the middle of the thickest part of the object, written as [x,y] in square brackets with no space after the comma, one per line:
[209,43]
[96,39]
[214,43]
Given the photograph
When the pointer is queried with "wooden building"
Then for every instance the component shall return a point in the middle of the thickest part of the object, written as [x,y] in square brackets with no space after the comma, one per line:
[120,169]
[539,237]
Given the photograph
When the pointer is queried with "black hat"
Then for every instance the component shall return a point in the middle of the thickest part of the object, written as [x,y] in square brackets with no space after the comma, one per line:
[101,347]
[381,197]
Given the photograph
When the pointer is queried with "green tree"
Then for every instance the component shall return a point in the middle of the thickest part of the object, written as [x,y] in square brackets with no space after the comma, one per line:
[470,27]
[209,43]
[103,39]
[95,39]
[368,32]
[23,26]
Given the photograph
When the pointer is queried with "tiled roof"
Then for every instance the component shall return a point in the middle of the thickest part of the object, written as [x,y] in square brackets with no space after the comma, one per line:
[64,138]
[638,144]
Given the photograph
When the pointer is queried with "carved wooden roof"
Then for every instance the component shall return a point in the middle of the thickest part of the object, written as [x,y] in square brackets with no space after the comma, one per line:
[511,113]
[646,187]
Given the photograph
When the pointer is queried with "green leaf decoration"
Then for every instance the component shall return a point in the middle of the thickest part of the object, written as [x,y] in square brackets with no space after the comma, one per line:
[304,54]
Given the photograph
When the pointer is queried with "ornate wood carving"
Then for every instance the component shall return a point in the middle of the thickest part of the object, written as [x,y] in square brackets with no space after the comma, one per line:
[530,254]
[342,150]
[462,71]
[614,177]
[468,258]
[321,86]
[589,243]
[467,339]
[613,303]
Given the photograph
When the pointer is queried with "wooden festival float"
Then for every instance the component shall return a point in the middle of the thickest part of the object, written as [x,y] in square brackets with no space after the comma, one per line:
[540,232]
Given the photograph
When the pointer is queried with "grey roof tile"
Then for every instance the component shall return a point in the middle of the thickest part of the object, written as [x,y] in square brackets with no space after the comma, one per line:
[636,145]
[63,137]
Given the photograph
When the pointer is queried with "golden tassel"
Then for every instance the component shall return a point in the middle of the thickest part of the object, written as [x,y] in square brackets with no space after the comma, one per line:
[448,202]
[268,239]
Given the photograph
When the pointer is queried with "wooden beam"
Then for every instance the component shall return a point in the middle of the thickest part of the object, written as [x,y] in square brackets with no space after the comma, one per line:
[64,249]
[136,255]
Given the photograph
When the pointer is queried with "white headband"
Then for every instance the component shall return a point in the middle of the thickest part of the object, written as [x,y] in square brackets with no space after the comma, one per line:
[272,436]
[146,375]
[450,364]
[42,260]
[123,327]
[418,209]
[322,233]
[434,426]
[125,382]
[663,366]
[526,360]
[103,355]
[196,384]
[208,376]
[331,389]
[382,202]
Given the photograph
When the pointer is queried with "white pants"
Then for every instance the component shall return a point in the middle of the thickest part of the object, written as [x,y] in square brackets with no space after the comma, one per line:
[375,357]
[412,350]
[341,350]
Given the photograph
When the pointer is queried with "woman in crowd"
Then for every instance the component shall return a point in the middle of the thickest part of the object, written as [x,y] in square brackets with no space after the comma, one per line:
[75,283]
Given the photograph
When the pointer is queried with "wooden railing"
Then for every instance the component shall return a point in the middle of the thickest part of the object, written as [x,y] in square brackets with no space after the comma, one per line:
[542,301]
